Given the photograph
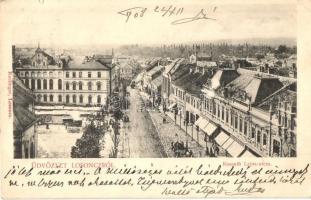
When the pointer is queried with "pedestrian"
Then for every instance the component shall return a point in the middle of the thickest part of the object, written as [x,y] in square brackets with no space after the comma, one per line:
[190,153]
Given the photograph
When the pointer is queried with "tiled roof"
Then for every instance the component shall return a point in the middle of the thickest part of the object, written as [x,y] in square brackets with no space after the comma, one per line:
[93,64]
[23,118]
[192,82]
[256,88]
[157,81]
[223,77]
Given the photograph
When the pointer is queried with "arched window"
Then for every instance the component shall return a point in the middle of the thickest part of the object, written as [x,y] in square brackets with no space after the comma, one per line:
[99,99]
[90,99]
[81,98]
[59,84]
[27,83]
[80,85]
[98,85]
[59,98]
[89,85]
[51,98]
[74,86]
[67,74]
[67,86]
[33,84]
[74,98]
[45,98]
[67,98]
[39,84]
[45,84]
[51,84]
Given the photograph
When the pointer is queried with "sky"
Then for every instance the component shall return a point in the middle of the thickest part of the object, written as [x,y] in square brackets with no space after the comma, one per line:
[95,22]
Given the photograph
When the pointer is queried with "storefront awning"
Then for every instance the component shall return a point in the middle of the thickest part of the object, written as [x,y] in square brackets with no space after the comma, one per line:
[198,121]
[209,129]
[221,138]
[202,123]
[227,143]
[248,154]
[235,149]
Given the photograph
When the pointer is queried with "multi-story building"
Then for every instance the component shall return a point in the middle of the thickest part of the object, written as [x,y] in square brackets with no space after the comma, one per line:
[24,126]
[245,113]
[69,81]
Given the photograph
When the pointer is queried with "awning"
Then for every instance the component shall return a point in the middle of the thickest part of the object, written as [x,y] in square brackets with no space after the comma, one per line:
[235,149]
[227,143]
[172,106]
[209,129]
[198,121]
[202,123]
[248,154]
[221,138]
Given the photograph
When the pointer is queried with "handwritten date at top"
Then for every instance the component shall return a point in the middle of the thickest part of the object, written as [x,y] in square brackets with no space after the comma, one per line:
[139,12]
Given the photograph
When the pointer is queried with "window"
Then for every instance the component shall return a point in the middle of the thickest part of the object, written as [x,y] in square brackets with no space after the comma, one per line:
[32,74]
[227,115]
[90,99]
[89,74]
[74,98]
[264,140]
[45,98]
[39,97]
[258,136]
[45,74]
[39,74]
[222,113]
[235,122]
[89,85]
[27,83]
[98,86]
[67,98]
[39,84]
[99,99]
[45,84]
[81,99]
[99,75]
[253,132]
[33,84]
[67,74]
[51,98]
[73,74]
[80,85]
[51,84]
[67,86]
[245,128]
[50,74]
[59,84]
[74,86]
[59,98]
[27,74]
[241,125]
[59,74]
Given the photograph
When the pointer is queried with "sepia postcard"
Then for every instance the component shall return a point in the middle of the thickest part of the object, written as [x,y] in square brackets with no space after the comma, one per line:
[155,99]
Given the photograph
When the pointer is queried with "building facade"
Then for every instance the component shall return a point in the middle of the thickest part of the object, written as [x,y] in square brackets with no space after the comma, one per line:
[67,81]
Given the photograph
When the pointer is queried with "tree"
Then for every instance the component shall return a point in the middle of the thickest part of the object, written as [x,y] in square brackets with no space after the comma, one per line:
[88,145]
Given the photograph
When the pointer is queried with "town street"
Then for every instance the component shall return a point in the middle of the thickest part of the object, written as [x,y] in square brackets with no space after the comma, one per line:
[139,137]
